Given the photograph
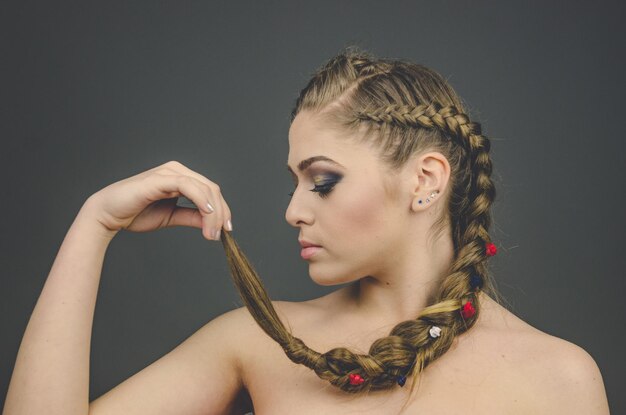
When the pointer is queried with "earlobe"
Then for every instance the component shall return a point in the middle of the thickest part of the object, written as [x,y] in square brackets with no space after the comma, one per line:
[421,201]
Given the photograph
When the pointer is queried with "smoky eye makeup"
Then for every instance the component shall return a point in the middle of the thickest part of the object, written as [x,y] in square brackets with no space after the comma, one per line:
[324,183]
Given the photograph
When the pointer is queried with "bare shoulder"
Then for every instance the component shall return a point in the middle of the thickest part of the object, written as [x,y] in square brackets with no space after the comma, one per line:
[561,376]
[550,374]
[568,377]
[245,331]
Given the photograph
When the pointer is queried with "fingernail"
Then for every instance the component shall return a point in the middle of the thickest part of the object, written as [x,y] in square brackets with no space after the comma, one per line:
[211,210]
[229,225]
[217,235]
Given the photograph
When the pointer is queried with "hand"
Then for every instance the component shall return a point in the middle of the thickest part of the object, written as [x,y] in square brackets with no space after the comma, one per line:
[147,202]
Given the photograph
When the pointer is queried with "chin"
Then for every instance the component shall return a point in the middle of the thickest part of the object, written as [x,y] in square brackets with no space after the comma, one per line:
[327,279]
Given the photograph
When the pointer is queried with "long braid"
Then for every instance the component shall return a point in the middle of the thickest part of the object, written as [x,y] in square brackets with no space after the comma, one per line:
[472,229]
[409,341]
[410,346]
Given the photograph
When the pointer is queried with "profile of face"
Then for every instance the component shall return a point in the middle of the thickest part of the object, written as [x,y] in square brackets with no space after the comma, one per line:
[340,204]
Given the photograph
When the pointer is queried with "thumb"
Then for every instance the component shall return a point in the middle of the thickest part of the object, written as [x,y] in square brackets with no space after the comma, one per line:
[182,216]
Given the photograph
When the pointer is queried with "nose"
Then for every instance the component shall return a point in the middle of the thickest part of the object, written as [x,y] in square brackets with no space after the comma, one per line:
[297,212]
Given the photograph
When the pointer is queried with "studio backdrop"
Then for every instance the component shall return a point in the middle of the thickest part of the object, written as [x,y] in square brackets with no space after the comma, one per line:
[96,92]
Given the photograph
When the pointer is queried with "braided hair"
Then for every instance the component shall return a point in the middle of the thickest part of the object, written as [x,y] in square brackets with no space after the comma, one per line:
[404,109]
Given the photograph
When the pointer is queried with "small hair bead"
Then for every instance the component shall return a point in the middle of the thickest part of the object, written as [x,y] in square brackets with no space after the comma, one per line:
[401,380]
[356,379]
[434,332]
[490,249]
[476,281]
[468,310]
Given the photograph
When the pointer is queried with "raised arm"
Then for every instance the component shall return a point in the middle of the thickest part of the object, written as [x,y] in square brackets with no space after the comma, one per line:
[51,372]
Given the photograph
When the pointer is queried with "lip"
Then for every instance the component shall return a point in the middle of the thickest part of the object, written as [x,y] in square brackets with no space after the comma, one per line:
[309,251]
[305,244]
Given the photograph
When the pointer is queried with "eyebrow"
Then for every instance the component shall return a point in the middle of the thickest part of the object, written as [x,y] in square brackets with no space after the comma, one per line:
[304,164]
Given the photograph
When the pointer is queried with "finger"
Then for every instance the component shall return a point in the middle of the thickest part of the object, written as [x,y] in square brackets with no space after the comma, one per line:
[182,169]
[162,186]
[216,220]
[184,202]
[222,212]
[183,216]
[227,215]
[209,228]
[172,185]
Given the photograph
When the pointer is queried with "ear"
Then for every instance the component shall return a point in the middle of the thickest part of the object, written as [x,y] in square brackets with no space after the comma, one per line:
[430,176]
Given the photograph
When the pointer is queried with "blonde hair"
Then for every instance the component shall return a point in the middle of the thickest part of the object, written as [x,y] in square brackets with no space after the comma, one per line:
[404,109]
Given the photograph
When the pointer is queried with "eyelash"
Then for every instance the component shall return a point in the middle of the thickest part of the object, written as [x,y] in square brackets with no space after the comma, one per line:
[323,189]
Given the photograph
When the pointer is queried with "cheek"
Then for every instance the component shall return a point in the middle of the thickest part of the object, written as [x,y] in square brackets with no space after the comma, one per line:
[360,216]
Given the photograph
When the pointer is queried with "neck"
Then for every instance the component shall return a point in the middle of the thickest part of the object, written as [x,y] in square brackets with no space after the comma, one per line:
[405,285]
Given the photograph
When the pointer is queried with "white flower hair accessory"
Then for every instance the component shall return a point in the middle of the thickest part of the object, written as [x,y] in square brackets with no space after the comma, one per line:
[434,332]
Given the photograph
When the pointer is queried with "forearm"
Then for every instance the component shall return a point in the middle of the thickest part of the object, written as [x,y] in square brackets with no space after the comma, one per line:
[51,373]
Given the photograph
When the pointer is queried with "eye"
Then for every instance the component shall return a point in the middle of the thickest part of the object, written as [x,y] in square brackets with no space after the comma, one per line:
[323,189]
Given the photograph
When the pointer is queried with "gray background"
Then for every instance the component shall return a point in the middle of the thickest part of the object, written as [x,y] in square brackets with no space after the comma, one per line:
[94,93]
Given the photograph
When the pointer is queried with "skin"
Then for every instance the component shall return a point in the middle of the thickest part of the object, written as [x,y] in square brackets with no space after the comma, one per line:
[372,231]
[369,238]
[375,238]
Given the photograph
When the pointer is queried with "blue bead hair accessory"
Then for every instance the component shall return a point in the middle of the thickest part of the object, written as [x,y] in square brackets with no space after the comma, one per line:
[476,282]
[401,379]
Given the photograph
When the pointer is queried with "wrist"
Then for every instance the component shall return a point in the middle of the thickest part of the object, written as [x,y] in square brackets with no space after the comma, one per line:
[87,219]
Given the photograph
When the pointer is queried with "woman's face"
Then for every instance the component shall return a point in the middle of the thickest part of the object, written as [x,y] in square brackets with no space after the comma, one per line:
[342,205]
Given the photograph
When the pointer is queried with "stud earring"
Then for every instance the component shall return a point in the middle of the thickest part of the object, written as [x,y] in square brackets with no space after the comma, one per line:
[431,196]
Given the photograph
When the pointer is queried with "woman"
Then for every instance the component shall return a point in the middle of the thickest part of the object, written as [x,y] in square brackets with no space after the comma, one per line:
[393,195]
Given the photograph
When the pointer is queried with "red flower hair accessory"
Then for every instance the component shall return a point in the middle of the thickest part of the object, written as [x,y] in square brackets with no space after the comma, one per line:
[490,249]
[468,310]
[356,379]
